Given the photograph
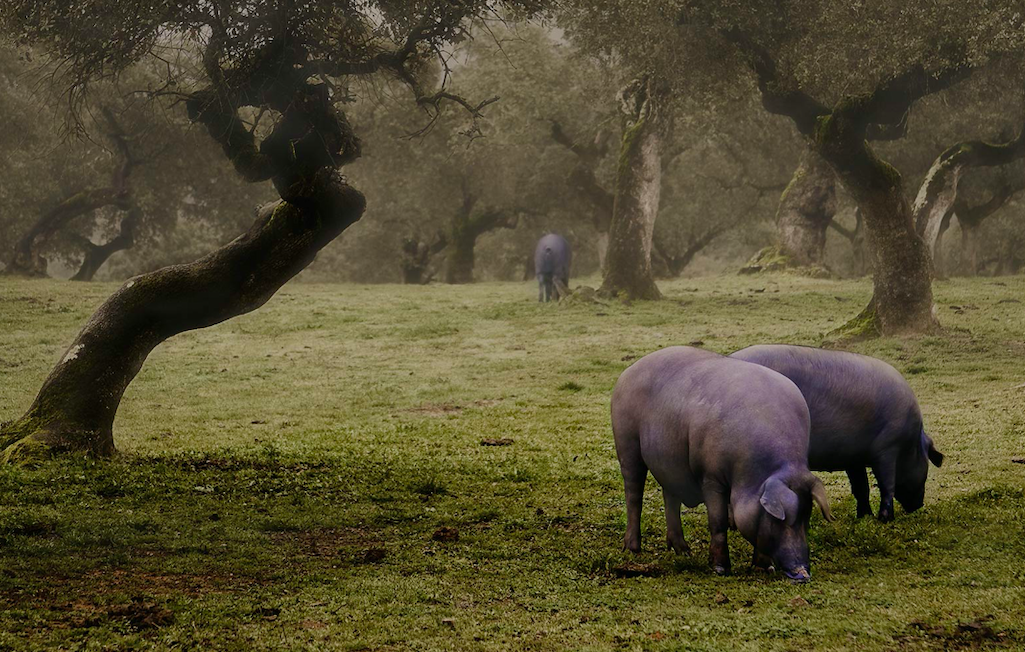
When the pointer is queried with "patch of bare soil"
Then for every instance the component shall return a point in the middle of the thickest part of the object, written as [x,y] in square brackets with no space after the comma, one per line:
[141,613]
[972,635]
[353,543]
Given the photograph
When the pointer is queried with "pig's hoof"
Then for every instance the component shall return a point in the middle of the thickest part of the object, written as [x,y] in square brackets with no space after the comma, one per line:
[765,569]
[885,517]
[632,546]
[680,547]
[721,570]
[799,576]
[862,513]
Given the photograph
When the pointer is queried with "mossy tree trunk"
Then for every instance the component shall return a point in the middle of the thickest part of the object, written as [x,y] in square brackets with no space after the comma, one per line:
[627,270]
[75,408]
[806,208]
[902,280]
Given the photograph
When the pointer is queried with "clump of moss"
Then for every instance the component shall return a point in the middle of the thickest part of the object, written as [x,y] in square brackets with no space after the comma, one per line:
[863,327]
[773,259]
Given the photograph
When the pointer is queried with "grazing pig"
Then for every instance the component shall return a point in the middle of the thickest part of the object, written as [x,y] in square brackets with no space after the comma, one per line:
[552,258]
[863,413]
[722,432]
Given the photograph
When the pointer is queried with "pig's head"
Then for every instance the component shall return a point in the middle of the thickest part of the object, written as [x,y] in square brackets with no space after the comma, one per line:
[777,524]
[912,471]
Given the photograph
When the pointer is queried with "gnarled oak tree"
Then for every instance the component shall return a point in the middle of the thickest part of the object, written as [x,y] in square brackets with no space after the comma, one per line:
[282,59]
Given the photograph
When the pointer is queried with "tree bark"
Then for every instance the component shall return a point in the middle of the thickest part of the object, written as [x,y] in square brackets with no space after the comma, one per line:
[75,408]
[805,211]
[416,258]
[627,269]
[902,282]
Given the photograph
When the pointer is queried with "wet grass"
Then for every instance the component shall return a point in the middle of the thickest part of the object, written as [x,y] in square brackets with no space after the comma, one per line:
[311,476]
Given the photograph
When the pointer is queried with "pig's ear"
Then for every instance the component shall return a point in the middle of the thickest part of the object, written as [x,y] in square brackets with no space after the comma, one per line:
[818,494]
[775,496]
[935,456]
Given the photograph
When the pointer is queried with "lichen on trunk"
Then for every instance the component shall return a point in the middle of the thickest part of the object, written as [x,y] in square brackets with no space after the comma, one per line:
[627,271]
[806,208]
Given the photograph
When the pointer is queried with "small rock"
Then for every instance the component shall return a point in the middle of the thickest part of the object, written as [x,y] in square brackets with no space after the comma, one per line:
[1018,460]
[446,534]
[503,441]
[799,602]
[449,622]
[721,598]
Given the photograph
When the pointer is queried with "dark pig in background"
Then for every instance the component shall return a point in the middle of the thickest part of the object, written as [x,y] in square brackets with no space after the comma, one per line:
[552,258]
[863,413]
[726,433]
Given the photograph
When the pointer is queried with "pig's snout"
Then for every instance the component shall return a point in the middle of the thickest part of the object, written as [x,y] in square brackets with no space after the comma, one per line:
[799,575]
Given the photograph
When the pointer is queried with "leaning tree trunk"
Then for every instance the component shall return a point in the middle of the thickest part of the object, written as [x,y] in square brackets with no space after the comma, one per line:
[627,270]
[76,406]
[805,211]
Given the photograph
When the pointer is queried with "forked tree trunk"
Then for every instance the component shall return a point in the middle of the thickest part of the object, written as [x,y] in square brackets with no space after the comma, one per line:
[805,211]
[76,406]
[938,194]
[627,269]
[27,258]
[96,255]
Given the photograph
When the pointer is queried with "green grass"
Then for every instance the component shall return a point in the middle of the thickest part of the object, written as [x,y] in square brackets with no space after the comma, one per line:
[283,476]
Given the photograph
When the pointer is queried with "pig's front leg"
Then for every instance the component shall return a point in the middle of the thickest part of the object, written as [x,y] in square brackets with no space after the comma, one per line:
[762,561]
[674,526]
[858,476]
[717,499]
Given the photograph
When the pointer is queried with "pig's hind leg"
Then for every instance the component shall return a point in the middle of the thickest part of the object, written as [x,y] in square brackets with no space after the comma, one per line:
[717,499]
[674,526]
[635,473]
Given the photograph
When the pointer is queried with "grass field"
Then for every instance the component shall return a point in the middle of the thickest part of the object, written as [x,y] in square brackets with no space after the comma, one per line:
[311,476]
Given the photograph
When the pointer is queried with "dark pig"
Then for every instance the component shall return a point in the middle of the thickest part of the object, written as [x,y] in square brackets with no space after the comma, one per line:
[726,433]
[863,413]
[552,258]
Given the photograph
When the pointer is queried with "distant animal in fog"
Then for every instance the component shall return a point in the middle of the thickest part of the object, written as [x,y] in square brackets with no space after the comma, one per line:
[726,433]
[552,258]
[863,413]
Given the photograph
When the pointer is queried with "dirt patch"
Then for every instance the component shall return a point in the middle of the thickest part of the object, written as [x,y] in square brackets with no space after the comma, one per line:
[961,635]
[637,569]
[442,409]
[330,542]
[502,441]
[446,534]
[141,613]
